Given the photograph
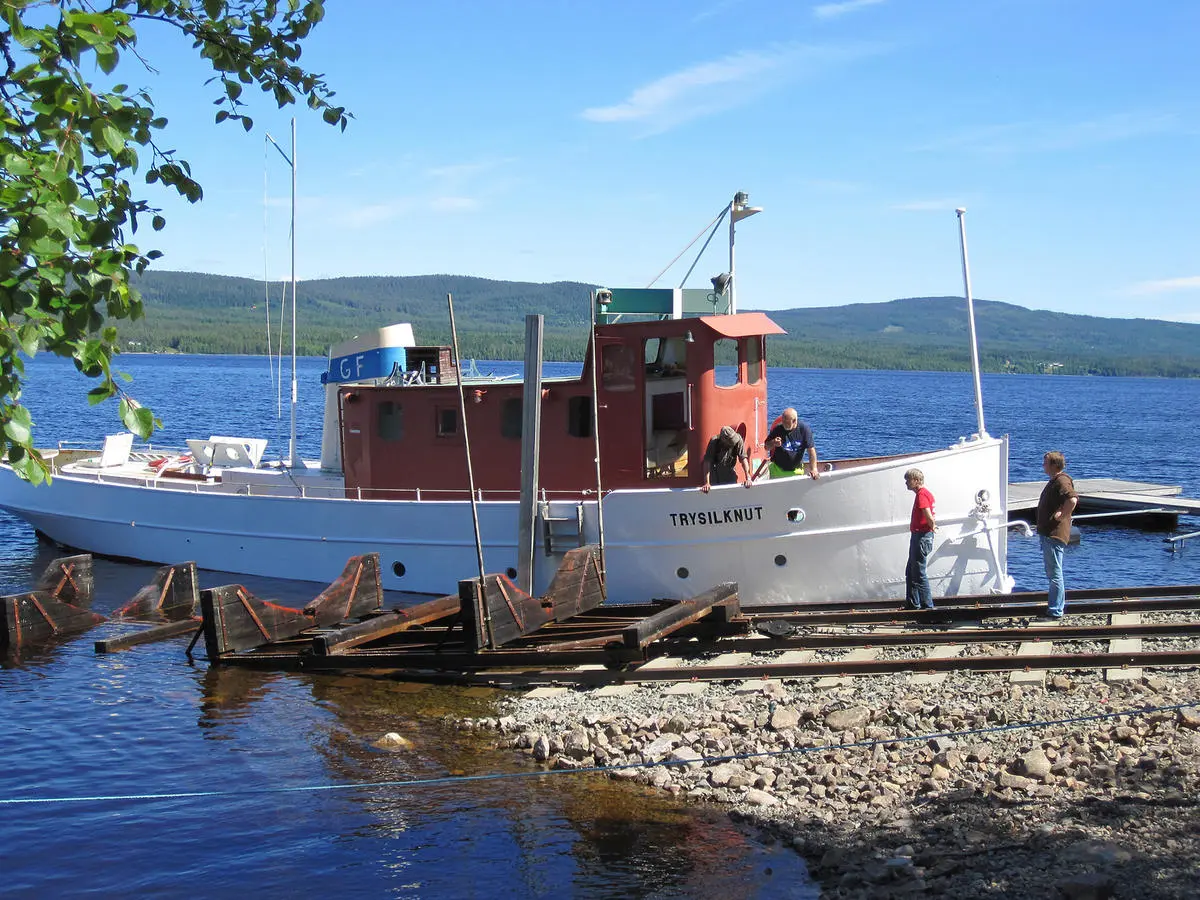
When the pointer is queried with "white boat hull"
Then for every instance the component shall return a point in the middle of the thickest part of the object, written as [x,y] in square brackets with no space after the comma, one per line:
[842,537]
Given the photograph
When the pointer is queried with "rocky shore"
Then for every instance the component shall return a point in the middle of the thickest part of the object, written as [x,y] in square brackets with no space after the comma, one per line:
[892,788]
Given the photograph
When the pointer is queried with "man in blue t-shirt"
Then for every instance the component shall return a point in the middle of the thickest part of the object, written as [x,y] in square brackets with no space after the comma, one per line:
[786,444]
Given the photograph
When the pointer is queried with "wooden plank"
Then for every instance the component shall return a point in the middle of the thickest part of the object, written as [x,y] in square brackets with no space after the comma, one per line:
[148,636]
[34,618]
[392,621]
[235,619]
[68,579]
[679,614]
[1124,645]
[499,612]
[1030,648]
[357,592]
[577,586]
[944,651]
[173,594]
[834,681]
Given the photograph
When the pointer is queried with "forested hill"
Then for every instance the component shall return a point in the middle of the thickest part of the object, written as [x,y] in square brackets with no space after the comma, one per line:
[195,313]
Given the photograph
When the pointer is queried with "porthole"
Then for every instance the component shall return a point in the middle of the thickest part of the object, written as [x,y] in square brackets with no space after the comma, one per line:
[795,515]
[781,560]
[398,569]
[682,572]
[510,572]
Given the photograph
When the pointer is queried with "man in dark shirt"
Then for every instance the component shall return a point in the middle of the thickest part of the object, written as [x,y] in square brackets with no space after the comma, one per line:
[722,455]
[1054,510]
[786,444]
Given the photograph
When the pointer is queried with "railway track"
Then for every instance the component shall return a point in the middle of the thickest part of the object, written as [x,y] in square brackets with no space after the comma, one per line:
[1121,631]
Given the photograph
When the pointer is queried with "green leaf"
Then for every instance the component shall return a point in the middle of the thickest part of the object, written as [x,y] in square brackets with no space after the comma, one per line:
[18,426]
[100,393]
[29,336]
[137,418]
[112,139]
[30,468]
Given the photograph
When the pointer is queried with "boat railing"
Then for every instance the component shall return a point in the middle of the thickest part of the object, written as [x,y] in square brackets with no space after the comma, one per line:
[296,489]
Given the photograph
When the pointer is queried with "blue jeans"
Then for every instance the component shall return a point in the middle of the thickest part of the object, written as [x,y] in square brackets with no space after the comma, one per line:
[1052,554]
[917,591]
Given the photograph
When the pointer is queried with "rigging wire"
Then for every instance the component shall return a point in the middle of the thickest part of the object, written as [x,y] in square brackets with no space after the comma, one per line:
[711,235]
[716,221]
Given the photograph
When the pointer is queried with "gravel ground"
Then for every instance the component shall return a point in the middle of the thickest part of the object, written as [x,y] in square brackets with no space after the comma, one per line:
[946,794]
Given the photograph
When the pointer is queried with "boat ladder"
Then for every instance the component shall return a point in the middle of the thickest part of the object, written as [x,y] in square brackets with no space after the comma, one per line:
[561,533]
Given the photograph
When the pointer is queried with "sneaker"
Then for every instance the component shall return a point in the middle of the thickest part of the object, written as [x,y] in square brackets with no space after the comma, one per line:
[1048,619]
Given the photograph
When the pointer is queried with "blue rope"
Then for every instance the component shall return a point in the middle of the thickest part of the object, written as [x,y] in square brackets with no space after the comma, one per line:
[589,770]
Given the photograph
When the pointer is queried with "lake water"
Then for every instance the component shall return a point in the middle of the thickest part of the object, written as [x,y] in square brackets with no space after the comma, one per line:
[147,721]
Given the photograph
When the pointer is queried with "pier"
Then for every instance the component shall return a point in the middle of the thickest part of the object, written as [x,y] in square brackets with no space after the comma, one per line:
[1141,504]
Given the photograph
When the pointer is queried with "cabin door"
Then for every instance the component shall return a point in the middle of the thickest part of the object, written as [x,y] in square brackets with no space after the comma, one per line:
[668,408]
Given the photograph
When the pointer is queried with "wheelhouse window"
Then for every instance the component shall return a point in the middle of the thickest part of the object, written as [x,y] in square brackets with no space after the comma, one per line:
[389,421]
[617,367]
[726,371]
[579,417]
[447,421]
[752,349]
[665,357]
[511,416]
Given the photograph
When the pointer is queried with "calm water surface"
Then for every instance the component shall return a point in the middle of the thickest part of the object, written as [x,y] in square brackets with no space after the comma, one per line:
[146,721]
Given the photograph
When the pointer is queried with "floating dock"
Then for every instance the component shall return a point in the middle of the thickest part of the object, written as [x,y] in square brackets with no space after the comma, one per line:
[1142,504]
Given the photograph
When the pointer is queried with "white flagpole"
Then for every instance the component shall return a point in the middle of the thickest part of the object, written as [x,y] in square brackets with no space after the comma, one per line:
[962,235]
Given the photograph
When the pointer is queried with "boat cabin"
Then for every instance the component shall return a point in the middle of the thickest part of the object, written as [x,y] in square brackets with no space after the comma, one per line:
[665,386]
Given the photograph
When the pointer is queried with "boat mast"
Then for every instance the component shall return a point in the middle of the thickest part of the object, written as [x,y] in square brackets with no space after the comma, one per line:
[293,457]
[962,236]
[738,210]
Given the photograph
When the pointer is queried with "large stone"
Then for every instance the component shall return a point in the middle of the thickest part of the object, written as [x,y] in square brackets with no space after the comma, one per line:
[1034,764]
[847,719]
[677,724]
[541,748]
[660,747]
[760,798]
[394,741]
[1189,717]
[1017,782]
[719,775]
[576,744]
[783,718]
[685,756]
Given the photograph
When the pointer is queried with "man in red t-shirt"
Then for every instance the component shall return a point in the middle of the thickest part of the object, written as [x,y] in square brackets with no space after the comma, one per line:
[917,592]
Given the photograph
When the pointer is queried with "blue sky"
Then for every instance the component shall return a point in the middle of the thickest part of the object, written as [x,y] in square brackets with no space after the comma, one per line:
[590,141]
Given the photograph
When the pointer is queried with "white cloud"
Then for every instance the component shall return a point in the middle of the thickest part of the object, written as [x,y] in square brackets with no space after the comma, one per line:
[939,205]
[370,215]
[712,87]
[1166,285]
[833,10]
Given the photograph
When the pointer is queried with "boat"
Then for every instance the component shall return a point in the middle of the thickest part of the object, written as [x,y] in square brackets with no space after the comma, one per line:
[617,462]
